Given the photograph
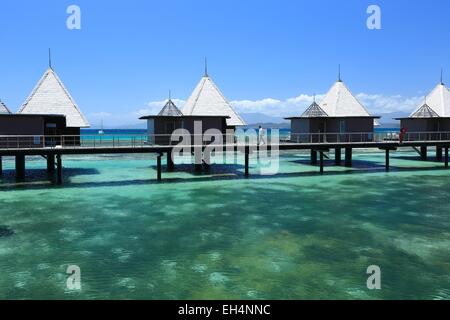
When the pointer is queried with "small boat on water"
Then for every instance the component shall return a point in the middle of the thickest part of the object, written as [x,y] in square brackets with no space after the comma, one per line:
[101,131]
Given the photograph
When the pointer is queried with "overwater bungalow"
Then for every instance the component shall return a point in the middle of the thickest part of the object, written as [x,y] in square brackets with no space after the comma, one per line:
[339,117]
[207,105]
[161,126]
[431,118]
[207,99]
[50,97]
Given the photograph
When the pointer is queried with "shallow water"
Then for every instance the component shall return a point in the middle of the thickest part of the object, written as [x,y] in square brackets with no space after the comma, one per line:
[297,235]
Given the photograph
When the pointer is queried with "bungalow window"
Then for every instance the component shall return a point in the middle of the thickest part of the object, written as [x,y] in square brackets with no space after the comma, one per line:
[342,126]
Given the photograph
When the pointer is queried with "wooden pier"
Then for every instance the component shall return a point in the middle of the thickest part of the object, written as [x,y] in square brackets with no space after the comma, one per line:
[54,155]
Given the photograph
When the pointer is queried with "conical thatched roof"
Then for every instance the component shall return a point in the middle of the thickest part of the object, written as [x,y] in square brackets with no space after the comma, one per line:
[340,102]
[170,110]
[313,111]
[3,108]
[437,104]
[51,97]
[208,100]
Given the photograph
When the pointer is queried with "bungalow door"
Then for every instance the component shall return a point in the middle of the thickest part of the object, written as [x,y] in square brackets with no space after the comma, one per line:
[322,131]
[50,134]
[342,130]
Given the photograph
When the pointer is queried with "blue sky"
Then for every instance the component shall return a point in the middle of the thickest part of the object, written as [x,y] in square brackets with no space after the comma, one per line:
[266,56]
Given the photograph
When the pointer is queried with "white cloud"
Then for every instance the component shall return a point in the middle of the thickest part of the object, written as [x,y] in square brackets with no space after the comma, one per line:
[377,104]
[154,107]
[274,107]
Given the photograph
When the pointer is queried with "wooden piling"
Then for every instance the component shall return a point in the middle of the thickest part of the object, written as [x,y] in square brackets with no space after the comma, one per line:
[387,160]
[170,163]
[438,153]
[423,153]
[321,162]
[1,166]
[59,178]
[446,157]
[20,167]
[313,157]
[247,152]
[158,167]
[348,157]
[50,163]
[337,156]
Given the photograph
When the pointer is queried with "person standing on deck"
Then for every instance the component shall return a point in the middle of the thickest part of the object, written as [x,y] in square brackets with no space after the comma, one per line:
[261,136]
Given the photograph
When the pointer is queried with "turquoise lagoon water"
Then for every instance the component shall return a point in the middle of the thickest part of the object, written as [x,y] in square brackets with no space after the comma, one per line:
[297,235]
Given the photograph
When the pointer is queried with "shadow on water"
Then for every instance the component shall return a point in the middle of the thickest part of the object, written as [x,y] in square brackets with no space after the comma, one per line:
[5,231]
[216,172]
[41,176]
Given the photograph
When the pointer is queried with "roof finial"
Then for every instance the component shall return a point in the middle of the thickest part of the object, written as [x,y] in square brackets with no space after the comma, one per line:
[339,73]
[442,74]
[206,67]
[49,58]
[170,95]
[314,98]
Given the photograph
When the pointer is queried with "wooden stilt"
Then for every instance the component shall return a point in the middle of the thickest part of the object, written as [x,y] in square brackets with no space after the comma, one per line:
[20,167]
[59,178]
[158,167]
[313,157]
[337,156]
[423,153]
[170,163]
[446,157]
[321,162]
[1,166]
[438,153]
[387,160]
[50,163]
[348,157]
[247,151]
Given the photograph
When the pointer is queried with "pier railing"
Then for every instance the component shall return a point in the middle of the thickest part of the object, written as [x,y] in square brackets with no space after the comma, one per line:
[145,140]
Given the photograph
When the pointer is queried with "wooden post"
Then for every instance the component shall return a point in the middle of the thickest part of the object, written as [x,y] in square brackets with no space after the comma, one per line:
[158,167]
[20,167]
[247,151]
[337,156]
[423,153]
[1,166]
[170,164]
[321,162]
[438,153]
[348,157]
[446,157]
[387,160]
[59,179]
[313,157]
[50,163]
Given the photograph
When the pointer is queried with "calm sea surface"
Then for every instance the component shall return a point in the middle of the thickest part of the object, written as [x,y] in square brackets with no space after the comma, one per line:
[297,235]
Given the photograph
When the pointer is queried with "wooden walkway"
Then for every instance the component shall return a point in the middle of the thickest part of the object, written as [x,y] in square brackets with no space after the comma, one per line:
[318,151]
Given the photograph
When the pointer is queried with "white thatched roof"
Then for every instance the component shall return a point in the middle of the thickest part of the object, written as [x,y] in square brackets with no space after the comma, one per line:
[340,102]
[438,101]
[4,108]
[313,111]
[51,97]
[170,110]
[207,100]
